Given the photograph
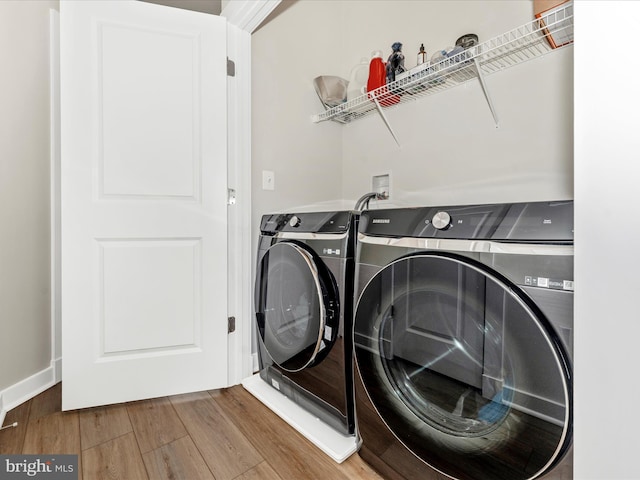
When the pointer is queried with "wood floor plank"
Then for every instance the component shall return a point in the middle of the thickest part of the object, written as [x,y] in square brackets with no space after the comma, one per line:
[51,431]
[226,450]
[262,471]
[288,452]
[155,423]
[56,433]
[118,459]
[101,424]
[177,460]
[12,439]
[357,469]
[49,401]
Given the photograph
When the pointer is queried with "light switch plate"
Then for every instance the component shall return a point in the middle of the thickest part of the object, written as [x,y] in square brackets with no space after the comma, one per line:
[268,180]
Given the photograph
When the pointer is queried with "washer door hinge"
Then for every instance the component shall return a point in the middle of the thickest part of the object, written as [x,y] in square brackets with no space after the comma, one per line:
[231,68]
[231,324]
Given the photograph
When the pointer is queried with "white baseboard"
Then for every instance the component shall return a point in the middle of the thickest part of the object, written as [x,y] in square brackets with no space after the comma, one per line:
[28,388]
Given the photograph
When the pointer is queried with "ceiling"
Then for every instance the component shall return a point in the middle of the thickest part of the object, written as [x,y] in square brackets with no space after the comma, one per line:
[207,6]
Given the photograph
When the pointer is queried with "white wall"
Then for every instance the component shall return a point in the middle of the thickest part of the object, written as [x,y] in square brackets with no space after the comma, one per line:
[25,328]
[607,172]
[287,54]
[450,149]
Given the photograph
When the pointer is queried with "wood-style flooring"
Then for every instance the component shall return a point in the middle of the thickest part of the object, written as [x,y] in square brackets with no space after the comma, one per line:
[216,435]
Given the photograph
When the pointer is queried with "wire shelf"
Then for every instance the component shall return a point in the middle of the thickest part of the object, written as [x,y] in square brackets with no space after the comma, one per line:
[552,31]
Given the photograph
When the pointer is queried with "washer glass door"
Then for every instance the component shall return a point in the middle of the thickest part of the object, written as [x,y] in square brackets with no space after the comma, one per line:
[463,368]
[297,308]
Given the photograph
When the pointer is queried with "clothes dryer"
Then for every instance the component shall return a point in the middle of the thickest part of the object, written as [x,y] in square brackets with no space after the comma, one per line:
[463,341]
[304,311]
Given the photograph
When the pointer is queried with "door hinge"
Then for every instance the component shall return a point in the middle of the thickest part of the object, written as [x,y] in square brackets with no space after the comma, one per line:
[231,68]
[231,196]
[231,324]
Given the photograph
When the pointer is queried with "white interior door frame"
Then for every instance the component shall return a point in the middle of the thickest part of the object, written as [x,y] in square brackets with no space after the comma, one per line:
[54,90]
[239,217]
[244,17]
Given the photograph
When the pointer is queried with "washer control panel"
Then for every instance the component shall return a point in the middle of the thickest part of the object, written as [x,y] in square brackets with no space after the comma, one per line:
[529,222]
[312,222]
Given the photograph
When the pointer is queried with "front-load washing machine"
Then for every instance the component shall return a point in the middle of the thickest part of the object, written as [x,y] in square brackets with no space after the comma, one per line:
[304,311]
[463,341]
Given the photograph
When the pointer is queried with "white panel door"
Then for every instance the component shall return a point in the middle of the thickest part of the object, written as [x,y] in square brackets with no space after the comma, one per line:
[144,194]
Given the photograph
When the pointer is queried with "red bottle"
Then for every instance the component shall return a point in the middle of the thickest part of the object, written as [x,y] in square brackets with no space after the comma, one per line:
[377,72]
[377,79]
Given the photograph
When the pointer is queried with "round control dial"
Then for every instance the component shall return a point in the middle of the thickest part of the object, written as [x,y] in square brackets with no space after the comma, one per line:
[294,221]
[441,220]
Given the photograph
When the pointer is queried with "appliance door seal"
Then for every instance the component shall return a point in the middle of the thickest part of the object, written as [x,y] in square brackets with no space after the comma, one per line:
[297,306]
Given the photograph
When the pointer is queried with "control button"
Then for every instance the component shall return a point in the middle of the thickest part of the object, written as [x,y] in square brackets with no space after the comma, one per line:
[294,221]
[441,220]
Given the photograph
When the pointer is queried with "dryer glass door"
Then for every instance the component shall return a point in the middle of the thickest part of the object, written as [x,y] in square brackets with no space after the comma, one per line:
[297,308]
[463,368]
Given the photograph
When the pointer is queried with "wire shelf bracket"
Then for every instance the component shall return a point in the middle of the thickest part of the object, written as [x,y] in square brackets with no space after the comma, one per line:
[485,90]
